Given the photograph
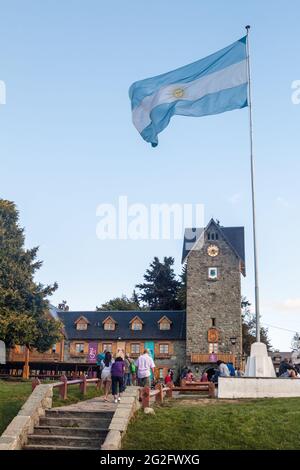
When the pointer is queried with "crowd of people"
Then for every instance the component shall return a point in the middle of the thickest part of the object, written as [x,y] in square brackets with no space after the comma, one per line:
[119,372]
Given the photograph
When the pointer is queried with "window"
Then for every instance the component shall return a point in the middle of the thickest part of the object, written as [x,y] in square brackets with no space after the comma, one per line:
[161,373]
[109,325]
[79,348]
[213,322]
[213,348]
[136,325]
[81,326]
[53,348]
[212,273]
[135,348]
[164,349]
[164,325]
[107,347]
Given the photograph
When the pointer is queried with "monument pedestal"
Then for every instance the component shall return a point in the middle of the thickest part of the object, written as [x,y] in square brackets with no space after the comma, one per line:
[259,364]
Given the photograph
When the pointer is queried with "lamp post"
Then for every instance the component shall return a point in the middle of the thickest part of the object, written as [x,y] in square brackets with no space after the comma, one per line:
[233,342]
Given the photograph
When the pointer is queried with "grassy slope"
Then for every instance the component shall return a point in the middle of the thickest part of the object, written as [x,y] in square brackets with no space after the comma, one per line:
[259,424]
[14,394]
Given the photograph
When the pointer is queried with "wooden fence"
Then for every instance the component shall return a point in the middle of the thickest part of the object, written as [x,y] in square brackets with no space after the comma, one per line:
[161,392]
[64,384]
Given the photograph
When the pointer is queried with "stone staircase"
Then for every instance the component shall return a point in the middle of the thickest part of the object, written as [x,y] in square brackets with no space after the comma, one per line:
[62,429]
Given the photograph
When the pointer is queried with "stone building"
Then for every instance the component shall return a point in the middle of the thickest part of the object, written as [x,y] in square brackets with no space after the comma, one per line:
[215,258]
[209,329]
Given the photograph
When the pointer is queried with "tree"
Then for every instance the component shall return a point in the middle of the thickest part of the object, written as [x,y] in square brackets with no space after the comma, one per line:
[160,290]
[121,303]
[296,342]
[249,328]
[181,294]
[24,308]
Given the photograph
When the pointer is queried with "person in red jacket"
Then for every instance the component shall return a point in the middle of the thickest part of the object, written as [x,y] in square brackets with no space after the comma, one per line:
[168,377]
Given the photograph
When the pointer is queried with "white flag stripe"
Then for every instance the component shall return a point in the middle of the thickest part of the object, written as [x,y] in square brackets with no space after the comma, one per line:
[230,77]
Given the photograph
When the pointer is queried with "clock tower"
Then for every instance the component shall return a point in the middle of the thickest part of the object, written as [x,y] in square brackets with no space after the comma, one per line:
[215,258]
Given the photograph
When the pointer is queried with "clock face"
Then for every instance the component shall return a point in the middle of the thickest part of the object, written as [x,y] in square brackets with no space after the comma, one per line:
[213,250]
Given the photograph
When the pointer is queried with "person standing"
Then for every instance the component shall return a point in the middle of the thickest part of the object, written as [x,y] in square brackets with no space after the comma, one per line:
[133,368]
[223,369]
[127,376]
[168,377]
[106,365]
[204,377]
[145,365]
[117,377]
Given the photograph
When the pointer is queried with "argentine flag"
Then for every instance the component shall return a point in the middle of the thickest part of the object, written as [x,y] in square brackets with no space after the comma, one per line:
[212,85]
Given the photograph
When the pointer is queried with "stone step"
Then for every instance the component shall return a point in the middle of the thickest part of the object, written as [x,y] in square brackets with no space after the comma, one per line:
[76,422]
[65,441]
[79,414]
[55,447]
[69,431]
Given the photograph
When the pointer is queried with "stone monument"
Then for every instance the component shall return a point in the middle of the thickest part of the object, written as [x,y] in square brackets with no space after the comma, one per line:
[259,364]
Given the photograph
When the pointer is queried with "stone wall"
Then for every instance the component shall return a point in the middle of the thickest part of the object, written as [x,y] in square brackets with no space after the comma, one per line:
[15,435]
[257,387]
[219,299]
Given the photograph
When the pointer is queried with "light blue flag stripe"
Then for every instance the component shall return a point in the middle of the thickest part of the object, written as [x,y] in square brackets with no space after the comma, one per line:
[216,103]
[212,85]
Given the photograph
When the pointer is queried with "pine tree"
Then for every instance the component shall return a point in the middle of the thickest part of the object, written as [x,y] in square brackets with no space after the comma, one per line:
[181,295]
[24,308]
[160,290]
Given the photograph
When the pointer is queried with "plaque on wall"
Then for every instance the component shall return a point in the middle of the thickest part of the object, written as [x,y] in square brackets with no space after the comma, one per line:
[213,335]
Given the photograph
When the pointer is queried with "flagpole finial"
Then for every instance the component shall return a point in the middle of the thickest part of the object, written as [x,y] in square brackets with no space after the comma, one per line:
[248,27]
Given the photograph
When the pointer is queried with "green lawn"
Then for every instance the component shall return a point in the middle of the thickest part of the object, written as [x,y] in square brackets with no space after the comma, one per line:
[257,424]
[13,395]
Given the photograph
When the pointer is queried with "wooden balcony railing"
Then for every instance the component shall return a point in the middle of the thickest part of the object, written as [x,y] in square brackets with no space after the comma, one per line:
[34,357]
[212,358]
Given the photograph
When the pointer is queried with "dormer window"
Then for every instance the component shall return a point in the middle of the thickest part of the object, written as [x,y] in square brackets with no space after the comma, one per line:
[136,324]
[81,323]
[109,324]
[164,323]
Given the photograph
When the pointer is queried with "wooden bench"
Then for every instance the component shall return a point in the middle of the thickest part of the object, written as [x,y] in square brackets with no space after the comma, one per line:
[196,386]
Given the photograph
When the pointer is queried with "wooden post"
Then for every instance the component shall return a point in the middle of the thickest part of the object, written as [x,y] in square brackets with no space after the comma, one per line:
[26,364]
[159,397]
[62,350]
[211,389]
[145,397]
[63,389]
[169,392]
[83,385]
[35,383]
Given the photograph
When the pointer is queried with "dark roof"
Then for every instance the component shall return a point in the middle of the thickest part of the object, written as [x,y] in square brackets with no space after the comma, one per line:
[150,329]
[234,236]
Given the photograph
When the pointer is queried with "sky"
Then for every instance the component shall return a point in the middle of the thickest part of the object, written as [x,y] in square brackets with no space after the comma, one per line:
[67,143]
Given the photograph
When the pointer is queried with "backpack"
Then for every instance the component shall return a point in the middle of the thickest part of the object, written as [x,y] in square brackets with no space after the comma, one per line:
[132,368]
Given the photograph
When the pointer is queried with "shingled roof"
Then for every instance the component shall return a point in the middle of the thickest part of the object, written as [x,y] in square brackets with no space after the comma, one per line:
[123,329]
[234,236]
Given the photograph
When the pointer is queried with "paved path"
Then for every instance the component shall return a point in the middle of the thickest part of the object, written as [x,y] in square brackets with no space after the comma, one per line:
[94,404]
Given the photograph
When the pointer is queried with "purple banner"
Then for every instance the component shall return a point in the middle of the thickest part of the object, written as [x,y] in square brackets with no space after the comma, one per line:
[92,354]
[213,358]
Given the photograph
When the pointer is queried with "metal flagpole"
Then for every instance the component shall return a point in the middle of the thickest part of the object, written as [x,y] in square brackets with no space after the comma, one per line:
[257,311]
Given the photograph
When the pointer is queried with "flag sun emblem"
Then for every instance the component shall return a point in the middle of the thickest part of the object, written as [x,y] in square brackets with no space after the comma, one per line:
[178,92]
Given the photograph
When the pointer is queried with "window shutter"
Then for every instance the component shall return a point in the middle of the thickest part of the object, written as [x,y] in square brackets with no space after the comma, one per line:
[156,349]
[86,347]
[171,348]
